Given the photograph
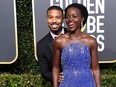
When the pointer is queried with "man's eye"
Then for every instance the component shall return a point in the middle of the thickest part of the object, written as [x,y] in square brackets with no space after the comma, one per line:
[58,17]
[49,17]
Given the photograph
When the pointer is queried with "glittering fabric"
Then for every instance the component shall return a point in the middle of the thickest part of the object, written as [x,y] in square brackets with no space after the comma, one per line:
[76,63]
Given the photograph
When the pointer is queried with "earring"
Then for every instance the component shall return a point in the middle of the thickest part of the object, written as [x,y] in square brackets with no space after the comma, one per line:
[81,24]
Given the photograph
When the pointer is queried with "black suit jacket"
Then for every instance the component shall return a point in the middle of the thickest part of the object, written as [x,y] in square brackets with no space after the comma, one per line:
[45,56]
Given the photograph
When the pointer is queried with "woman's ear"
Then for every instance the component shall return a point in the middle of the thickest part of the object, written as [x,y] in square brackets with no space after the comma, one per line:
[82,19]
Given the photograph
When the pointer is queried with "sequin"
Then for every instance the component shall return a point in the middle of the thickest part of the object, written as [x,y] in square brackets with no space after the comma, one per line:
[76,61]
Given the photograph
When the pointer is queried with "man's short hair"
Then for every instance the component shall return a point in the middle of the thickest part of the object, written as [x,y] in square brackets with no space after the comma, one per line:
[55,8]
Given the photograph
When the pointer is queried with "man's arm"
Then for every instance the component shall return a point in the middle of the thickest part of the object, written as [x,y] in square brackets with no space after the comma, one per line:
[43,63]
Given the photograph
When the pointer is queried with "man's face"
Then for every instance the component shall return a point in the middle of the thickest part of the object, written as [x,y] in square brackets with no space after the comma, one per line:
[55,20]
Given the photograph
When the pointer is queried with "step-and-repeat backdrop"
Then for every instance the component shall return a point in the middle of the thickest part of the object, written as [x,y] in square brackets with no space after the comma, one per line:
[101,23]
[8,32]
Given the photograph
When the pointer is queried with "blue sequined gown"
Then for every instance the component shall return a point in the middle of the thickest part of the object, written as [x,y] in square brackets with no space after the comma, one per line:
[76,61]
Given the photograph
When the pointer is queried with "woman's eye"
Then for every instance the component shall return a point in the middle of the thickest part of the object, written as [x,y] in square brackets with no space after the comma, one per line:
[66,17]
[74,16]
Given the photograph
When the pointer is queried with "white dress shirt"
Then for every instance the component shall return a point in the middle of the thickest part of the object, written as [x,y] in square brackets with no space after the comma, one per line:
[54,36]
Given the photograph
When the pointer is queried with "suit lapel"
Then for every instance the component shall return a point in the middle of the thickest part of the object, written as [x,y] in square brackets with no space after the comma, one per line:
[50,46]
[49,42]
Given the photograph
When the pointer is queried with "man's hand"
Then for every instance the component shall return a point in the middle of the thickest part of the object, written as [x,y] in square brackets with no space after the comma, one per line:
[60,77]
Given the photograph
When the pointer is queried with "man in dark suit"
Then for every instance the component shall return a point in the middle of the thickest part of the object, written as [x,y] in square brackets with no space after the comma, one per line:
[45,46]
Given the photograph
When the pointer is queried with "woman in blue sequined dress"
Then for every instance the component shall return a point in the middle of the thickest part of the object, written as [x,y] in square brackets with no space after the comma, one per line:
[76,52]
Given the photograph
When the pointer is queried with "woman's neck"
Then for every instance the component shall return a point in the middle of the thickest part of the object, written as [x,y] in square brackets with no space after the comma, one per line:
[75,35]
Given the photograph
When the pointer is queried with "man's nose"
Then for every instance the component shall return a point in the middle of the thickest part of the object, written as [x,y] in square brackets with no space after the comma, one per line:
[54,20]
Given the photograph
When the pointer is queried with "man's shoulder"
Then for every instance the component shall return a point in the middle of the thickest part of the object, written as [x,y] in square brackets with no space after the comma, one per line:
[44,39]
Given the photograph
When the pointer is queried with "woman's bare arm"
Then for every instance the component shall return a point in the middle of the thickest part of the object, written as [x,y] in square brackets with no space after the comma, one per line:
[56,63]
[94,62]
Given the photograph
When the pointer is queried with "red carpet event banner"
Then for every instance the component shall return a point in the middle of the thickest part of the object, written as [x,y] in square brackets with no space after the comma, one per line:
[100,24]
[8,32]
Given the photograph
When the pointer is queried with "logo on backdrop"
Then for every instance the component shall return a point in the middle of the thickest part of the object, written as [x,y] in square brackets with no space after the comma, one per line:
[100,23]
[96,17]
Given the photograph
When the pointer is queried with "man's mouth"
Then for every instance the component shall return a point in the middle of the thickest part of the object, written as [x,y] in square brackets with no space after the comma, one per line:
[54,25]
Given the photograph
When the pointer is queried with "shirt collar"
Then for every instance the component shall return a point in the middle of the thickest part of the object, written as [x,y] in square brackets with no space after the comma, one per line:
[53,35]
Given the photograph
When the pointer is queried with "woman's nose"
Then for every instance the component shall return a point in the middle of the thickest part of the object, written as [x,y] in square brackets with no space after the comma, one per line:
[71,18]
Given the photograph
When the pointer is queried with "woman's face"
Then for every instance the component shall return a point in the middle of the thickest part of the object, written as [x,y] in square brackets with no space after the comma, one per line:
[73,19]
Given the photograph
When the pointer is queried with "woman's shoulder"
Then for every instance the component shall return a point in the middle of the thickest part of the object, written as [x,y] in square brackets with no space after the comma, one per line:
[89,40]
[89,37]
[92,40]
[61,39]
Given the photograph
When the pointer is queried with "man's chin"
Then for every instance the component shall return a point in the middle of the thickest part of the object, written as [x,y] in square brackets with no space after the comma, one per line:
[54,29]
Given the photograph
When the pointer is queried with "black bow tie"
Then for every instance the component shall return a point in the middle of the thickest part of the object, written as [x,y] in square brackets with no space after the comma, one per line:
[55,37]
